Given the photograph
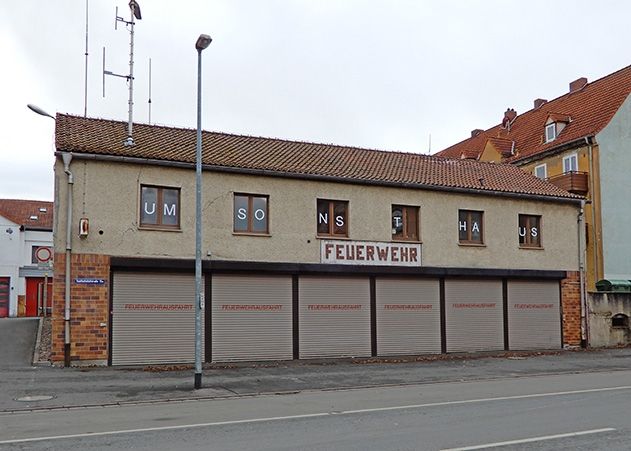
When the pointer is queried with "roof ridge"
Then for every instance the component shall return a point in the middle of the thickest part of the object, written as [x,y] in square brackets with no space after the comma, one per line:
[237,135]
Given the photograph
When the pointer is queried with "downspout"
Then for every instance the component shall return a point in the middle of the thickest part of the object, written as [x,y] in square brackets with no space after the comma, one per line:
[581,269]
[593,199]
[67,158]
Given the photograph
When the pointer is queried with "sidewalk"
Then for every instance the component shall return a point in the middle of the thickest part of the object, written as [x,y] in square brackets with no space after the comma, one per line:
[73,387]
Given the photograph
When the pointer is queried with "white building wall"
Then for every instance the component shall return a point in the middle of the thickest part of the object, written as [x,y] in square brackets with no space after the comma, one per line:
[15,253]
[615,185]
[11,244]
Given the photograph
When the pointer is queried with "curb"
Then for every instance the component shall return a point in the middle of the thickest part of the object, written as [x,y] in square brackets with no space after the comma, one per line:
[38,340]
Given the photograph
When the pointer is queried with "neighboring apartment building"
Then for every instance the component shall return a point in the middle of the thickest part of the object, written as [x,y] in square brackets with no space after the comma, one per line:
[26,233]
[309,250]
[580,141]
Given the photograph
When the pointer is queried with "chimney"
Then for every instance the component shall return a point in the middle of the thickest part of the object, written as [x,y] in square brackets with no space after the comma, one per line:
[476,132]
[578,84]
[509,116]
[539,103]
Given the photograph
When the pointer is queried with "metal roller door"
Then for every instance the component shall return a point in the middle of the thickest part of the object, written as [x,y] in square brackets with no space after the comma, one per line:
[534,315]
[474,315]
[334,317]
[251,318]
[153,318]
[408,316]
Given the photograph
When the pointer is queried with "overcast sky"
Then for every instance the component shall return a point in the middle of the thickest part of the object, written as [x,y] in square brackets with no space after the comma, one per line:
[377,74]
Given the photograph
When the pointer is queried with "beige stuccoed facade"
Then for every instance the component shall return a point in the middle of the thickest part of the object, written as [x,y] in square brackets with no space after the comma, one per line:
[107,194]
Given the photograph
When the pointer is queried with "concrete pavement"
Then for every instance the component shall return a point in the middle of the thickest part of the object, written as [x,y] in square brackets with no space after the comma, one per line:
[17,341]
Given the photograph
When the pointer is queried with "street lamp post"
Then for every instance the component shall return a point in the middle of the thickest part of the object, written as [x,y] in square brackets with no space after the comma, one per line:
[203,41]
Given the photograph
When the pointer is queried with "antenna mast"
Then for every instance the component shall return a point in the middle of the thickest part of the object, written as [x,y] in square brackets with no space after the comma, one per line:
[135,13]
[85,88]
[149,101]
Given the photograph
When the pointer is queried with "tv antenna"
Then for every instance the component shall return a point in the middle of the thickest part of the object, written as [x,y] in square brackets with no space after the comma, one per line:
[135,13]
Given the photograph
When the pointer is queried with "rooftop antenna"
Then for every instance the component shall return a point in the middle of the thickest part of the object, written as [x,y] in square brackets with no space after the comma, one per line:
[135,13]
[85,88]
[429,150]
[149,101]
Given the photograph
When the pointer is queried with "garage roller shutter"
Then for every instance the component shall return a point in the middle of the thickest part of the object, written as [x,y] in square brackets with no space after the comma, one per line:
[153,318]
[251,318]
[534,315]
[334,317]
[474,315]
[408,316]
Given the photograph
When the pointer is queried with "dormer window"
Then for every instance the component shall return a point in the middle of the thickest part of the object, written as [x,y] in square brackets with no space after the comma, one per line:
[551,132]
[33,218]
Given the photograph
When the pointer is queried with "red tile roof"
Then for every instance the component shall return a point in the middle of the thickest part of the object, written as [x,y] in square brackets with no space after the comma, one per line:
[21,212]
[590,110]
[294,158]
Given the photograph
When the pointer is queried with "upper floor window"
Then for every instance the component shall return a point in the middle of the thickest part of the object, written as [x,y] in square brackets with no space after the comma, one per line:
[404,223]
[529,231]
[470,227]
[159,207]
[250,213]
[551,132]
[332,218]
[541,171]
[570,163]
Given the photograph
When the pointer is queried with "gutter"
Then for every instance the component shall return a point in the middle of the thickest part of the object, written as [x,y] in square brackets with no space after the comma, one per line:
[552,151]
[67,158]
[581,267]
[329,178]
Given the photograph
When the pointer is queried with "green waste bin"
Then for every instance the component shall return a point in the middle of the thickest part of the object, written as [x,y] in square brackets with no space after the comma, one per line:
[614,285]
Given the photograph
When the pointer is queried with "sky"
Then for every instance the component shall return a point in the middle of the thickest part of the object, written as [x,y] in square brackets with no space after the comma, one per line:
[413,76]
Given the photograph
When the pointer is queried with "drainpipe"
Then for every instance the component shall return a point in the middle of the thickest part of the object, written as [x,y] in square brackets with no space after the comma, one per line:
[593,199]
[581,269]
[67,158]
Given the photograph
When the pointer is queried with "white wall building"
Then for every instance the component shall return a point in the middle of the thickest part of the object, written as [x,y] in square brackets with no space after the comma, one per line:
[26,233]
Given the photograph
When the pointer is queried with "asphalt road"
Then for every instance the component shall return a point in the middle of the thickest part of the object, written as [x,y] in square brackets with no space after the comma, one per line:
[565,411]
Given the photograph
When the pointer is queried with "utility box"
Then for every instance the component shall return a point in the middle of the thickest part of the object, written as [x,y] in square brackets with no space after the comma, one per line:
[623,286]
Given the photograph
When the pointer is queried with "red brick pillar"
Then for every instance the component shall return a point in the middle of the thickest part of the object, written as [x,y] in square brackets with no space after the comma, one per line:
[89,309]
[571,308]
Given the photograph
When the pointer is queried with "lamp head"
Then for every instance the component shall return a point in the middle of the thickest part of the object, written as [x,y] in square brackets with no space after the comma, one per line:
[203,41]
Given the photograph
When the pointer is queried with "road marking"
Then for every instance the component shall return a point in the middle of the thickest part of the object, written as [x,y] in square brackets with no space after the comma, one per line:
[313,415]
[530,440]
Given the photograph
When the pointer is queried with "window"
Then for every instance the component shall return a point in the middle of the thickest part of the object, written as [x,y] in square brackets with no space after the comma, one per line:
[570,163]
[529,231]
[250,214]
[541,171]
[551,132]
[159,207]
[404,223]
[332,218]
[470,227]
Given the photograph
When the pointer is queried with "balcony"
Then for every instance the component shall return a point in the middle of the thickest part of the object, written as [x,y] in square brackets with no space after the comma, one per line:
[573,181]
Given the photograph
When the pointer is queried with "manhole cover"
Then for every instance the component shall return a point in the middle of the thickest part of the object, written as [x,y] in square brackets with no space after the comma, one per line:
[35,398]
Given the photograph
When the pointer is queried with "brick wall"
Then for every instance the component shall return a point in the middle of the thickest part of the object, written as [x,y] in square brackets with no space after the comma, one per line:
[571,302]
[89,308]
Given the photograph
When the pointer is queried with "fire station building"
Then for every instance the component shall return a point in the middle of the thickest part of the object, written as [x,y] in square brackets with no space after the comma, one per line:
[309,250]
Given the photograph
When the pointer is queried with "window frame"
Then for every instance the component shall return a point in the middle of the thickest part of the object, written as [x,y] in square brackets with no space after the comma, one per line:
[551,127]
[331,224]
[528,238]
[160,201]
[250,230]
[405,211]
[469,241]
[545,171]
[571,157]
